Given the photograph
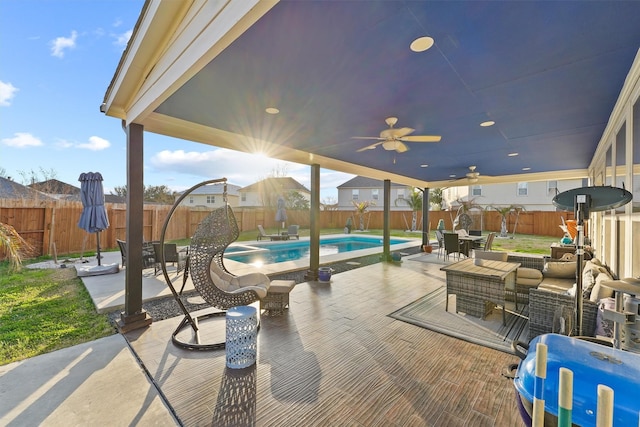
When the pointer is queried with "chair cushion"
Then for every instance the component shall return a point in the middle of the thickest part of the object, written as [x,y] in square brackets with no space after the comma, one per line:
[528,276]
[599,292]
[561,270]
[251,279]
[260,290]
[221,278]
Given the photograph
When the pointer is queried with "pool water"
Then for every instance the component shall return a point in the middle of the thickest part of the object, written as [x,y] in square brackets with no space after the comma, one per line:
[274,252]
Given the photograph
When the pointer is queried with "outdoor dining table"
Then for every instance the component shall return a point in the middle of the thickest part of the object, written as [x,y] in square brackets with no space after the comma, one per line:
[466,243]
[479,285]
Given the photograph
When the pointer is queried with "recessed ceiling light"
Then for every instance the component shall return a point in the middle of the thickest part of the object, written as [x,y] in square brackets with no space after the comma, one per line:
[512,154]
[423,166]
[272,110]
[526,169]
[487,123]
[421,44]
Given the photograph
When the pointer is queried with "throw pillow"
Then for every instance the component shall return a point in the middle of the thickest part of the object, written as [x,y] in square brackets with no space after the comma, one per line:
[560,270]
[599,292]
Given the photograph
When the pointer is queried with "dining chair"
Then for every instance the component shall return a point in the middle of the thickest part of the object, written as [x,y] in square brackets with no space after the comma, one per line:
[489,242]
[452,245]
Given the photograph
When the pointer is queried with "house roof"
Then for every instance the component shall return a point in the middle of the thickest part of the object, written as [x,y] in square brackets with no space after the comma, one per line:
[53,186]
[275,185]
[70,192]
[548,75]
[12,190]
[364,182]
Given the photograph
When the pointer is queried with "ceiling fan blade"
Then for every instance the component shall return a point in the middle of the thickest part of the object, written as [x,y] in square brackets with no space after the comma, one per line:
[370,147]
[368,137]
[394,133]
[422,138]
[401,147]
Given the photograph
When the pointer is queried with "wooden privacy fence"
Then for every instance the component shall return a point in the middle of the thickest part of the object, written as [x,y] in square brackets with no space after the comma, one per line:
[52,227]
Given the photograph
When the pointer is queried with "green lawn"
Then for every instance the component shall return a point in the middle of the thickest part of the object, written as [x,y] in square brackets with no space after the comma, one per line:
[45,310]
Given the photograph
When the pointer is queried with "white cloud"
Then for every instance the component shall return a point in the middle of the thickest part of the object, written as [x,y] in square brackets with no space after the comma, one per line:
[7,92]
[60,44]
[95,144]
[123,39]
[22,140]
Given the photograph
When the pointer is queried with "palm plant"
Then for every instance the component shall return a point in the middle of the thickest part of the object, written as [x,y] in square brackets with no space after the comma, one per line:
[361,209]
[415,203]
[504,212]
[13,246]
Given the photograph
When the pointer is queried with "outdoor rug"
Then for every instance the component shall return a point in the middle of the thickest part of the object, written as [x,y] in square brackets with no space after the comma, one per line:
[428,312]
[432,258]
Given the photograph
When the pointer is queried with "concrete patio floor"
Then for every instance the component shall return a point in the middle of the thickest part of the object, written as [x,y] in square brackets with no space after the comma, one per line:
[127,380]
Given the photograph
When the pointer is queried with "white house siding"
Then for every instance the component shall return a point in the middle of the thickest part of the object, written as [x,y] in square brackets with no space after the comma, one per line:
[538,197]
[211,196]
[345,198]
[249,198]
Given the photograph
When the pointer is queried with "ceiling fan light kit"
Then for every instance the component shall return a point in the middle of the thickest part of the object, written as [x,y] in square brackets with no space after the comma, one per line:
[395,138]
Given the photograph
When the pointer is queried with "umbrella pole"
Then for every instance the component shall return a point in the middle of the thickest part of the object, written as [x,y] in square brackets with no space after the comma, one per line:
[98,239]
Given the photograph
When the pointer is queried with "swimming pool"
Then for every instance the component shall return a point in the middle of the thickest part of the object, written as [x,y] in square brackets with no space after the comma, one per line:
[275,252]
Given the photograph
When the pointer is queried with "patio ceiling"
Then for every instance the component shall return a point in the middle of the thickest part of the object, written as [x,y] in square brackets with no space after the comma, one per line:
[547,73]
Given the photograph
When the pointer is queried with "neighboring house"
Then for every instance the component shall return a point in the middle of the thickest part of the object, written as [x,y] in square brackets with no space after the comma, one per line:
[63,191]
[265,193]
[57,189]
[533,196]
[211,196]
[12,190]
[361,189]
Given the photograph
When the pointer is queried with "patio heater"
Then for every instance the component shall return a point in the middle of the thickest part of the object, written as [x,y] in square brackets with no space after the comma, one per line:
[583,201]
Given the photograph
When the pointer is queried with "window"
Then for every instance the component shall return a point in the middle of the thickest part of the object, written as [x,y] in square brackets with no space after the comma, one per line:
[211,200]
[552,187]
[523,188]
[191,199]
[401,193]
[355,194]
[476,190]
[375,194]
[243,197]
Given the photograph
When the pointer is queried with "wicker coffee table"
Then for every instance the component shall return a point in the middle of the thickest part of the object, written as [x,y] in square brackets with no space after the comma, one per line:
[479,288]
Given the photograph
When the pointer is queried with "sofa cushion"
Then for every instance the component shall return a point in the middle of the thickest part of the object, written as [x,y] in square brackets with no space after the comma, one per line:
[556,284]
[599,292]
[528,276]
[562,270]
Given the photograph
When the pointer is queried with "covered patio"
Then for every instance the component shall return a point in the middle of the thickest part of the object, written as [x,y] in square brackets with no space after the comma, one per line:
[530,91]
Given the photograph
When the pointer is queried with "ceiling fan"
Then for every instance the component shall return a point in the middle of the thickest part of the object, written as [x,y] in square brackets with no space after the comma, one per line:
[395,138]
[471,176]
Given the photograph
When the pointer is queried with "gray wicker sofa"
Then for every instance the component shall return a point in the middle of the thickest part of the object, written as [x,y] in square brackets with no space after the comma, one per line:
[549,296]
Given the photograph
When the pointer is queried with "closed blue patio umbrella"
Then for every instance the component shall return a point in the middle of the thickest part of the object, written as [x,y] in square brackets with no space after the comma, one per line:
[94,215]
[281,213]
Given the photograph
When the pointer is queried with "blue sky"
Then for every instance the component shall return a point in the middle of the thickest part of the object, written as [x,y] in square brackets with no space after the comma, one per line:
[57,59]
